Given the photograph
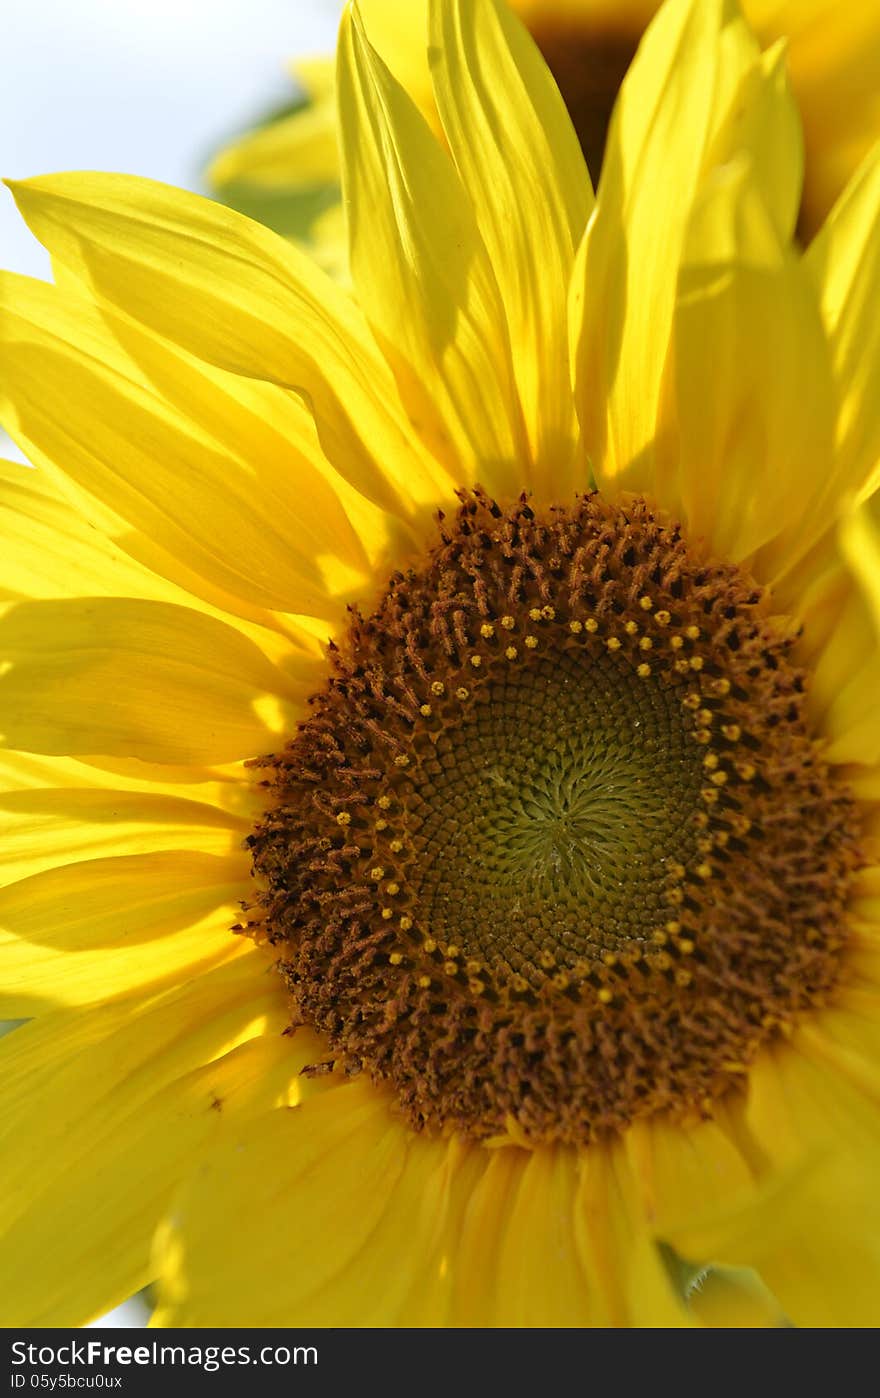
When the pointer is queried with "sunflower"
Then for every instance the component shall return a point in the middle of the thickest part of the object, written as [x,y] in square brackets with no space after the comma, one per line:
[554,971]
[286,172]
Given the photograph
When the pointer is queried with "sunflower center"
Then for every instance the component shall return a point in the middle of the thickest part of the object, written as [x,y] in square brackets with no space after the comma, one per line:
[554,848]
[588,68]
[556,798]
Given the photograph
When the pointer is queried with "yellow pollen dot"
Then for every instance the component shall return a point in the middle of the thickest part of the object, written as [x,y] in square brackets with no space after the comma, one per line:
[401,760]
[683,977]
[383,803]
[605,995]
[645,603]
[453,951]
[519,983]
[451,968]
[675,870]
[721,686]
[476,986]
[392,888]
[704,716]
[476,661]
[508,623]
[396,846]
[381,824]
[741,825]
[561,980]
[548,613]
[387,913]
[709,795]
[630,627]
[430,945]
[613,643]
[461,692]
[438,688]
[395,958]
[425,710]
[405,923]
[591,624]
[473,967]
[704,871]
[547,960]
[531,642]
[661,961]
[701,820]
[645,643]
[721,838]
[534,613]
[692,632]
[673,928]
[710,760]
[719,778]
[692,700]
[511,652]
[643,670]
[424,982]
[732,732]
[660,936]
[609,958]
[674,896]
[343,818]
[745,770]
[576,627]
[487,631]
[682,666]
[702,735]
[685,946]
[696,662]
[377,873]
[705,844]
[676,642]
[662,617]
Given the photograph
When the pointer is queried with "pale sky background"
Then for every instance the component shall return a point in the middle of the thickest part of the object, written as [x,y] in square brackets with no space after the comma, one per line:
[148,87]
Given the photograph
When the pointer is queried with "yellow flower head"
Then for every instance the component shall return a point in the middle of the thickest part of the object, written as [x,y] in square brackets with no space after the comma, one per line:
[286,172]
[495,652]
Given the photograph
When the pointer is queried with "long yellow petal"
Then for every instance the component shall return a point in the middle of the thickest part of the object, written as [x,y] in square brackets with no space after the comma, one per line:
[137,678]
[115,1108]
[752,438]
[423,275]
[674,98]
[49,827]
[844,263]
[191,465]
[521,165]
[242,298]
[100,928]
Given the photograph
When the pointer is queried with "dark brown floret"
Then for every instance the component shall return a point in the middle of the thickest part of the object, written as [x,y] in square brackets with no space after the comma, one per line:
[555,848]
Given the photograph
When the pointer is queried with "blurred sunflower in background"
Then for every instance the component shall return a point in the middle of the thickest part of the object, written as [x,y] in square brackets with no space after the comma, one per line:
[554,974]
[286,171]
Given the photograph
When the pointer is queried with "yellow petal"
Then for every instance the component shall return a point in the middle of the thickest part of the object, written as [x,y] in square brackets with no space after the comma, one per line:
[104,927]
[308,1189]
[191,466]
[290,153]
[138,678]
[814,1235]
[672,101]
[521,165]
[242,298]
[753,446]
[423,275]
[105,1113]
[844,264]
[45,828]
[846,674]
